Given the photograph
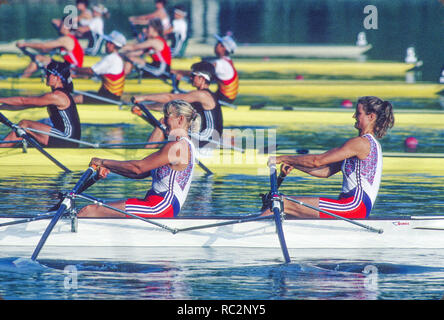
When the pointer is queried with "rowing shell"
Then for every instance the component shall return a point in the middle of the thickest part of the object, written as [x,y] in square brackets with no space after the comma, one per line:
[306,67]
[303,89]
[398,233]
[243,116]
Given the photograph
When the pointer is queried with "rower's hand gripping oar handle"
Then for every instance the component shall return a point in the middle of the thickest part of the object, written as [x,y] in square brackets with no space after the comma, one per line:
[267,197]
[18,130]
[92,179]
[147,116]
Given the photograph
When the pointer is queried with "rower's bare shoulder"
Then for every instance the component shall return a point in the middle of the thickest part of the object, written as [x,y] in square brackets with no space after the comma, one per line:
[359,141]
[59,98]
[65,41]
[360,145]
[207,100]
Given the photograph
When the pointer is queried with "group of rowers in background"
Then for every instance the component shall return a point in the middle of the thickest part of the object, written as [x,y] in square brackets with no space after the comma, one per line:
[198,111]
[122,59]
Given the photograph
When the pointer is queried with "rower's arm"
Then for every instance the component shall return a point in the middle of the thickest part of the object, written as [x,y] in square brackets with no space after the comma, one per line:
[83,71]
[144,19]
[136,169]
[327,163]
[151,43]
[46,46]
[322,172]
[20,103]
[160,98]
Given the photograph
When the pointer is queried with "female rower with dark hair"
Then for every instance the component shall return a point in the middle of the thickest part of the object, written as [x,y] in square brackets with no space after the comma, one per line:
[61,108]
[171,168]
[359,159]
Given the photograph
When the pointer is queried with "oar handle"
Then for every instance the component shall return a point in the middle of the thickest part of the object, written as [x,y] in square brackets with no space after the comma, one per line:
[149,116]
[156,123]
[91,180]
[86,175]
[281,177]
[26,52]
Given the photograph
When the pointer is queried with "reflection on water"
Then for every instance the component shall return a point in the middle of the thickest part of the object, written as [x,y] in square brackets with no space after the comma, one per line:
[222,273]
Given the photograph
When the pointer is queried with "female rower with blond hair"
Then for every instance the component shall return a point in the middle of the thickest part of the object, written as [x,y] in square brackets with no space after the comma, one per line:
[171,169]
[359,159]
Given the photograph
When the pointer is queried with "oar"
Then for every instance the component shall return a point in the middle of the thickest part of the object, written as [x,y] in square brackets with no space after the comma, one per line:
[225,223]
[125,103]
[104,99]
[91,180]
[276,208]
[267,197]
[156,123]
[281,178]
[22,134]
[93,145]
[66,203]
[36,218]
[32,56]
[152,120]
[335,215]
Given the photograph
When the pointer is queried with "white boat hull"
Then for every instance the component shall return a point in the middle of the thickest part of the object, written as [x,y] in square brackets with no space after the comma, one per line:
[401,233]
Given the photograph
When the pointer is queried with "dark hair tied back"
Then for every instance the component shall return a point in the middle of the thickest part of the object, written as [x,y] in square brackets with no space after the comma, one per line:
[384,113]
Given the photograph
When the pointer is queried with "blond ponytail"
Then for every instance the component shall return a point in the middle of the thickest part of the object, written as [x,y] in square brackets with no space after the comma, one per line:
[181,107]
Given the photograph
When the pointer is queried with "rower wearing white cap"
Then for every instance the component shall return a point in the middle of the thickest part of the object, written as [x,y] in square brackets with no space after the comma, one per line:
[110,68]
[93,29]
[225,72]
[178,32]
